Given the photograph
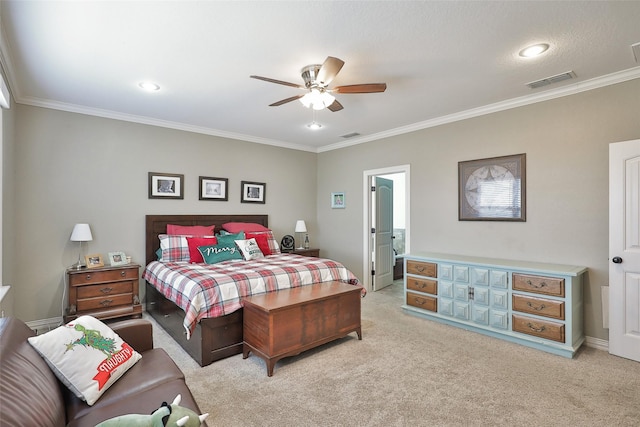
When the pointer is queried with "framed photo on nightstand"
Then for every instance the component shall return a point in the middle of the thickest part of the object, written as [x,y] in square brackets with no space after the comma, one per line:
[117,258]
[94,261]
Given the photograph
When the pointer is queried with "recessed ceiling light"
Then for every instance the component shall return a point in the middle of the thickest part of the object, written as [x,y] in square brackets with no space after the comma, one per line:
[534,50]
[314,126]
[150,86]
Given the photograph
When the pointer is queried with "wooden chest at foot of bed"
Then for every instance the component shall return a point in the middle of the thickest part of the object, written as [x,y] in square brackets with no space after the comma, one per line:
[213,338]
[290,321]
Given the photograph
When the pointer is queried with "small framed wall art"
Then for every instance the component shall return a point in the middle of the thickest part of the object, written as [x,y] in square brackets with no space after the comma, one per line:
[252,192]
[117,258]
[338,200]
[492,189]
[94,261]
[213,188]
[166,186]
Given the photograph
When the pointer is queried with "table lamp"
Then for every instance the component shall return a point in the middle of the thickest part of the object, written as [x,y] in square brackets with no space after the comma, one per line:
[301,227]
[81,233]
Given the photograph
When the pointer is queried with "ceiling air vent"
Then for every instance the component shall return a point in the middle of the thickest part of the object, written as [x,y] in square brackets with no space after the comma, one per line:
[350,135]
[553,79]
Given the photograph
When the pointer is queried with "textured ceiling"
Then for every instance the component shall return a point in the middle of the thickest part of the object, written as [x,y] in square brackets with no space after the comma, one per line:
[442,61]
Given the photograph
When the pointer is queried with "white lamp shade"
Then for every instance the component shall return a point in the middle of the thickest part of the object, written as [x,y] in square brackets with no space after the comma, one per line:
[301,227]
[81,233]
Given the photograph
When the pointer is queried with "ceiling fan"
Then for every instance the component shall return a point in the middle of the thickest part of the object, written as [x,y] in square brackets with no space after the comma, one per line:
[316,81]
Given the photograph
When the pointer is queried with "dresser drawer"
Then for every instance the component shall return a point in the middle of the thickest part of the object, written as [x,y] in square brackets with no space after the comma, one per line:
[538,284]
[428,269]
[105,289]
[104,302]
[422,301]
[422,285]
[539,306]
[539,328]
[88,277]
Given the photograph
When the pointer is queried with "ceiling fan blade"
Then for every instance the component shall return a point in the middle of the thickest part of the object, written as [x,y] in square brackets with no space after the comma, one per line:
[335,106]
[330,68]
[280,82]
[284,101]
[363,88]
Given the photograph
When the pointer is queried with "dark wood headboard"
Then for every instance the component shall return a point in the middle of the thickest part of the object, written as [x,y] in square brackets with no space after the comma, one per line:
[157,224]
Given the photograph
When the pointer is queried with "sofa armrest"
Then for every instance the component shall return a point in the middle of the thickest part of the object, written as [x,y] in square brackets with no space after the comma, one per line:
[138,333]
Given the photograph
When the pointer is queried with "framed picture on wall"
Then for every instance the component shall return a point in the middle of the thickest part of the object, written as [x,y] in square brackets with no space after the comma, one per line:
[492,189]
[338,200]
[166,186]
[252,192]
[213,188]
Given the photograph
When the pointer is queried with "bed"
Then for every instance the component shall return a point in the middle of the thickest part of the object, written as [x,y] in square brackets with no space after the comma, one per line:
[213,330]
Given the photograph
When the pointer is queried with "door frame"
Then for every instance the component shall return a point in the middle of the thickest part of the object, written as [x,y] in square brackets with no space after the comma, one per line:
[367,175]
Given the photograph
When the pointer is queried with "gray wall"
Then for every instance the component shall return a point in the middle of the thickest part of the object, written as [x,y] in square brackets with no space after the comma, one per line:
[73,168]
[566,141]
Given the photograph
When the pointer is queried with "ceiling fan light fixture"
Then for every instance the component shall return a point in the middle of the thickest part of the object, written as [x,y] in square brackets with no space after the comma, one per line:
[149,86]
[534,50]
[314,125]
[317,100]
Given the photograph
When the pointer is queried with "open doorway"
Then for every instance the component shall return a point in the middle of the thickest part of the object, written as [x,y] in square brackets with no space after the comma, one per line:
[375,233]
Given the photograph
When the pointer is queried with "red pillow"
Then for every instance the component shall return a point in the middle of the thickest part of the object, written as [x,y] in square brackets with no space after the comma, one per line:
[261,240]
[190,230]
[236,227]
[194,243]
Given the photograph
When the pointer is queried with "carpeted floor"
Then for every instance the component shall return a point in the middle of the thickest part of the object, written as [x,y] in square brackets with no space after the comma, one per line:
[409,371]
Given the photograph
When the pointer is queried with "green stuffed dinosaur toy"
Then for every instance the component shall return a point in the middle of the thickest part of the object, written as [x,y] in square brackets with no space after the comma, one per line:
[166,416]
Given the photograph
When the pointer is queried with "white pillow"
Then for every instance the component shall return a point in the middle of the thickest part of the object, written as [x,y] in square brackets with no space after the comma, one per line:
[86,355]
[249,249]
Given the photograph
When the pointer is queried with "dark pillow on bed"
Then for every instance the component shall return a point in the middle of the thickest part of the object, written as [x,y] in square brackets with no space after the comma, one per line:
[220,252]
[194,243]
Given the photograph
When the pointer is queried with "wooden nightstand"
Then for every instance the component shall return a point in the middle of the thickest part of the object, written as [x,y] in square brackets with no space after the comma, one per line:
[307,252]
[104,292]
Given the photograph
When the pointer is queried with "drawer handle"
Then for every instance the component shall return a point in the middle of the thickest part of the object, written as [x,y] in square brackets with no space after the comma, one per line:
[122,273]
[538,308]
[106,290]
[106,302]
[421,285]
[88,277]
[533,285]
[534,329]
[420,268]
[419,300]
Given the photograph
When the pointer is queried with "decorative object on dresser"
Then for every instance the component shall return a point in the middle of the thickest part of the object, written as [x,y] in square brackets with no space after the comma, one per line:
[301,227]
[166,186]
[252,192]
[214,188]
[278,324]
[492,189]
[287,244]
[117,258]
[104,292]
[94,261]
[539,305]
[81,233]
[338,200]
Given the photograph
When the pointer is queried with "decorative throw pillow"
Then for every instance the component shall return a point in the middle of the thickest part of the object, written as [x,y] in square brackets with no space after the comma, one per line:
[190,230]
[194,243]
[220,252]
[85,355]
[236,227]
[262,240]
[249,249]
[274,247]
[175,248]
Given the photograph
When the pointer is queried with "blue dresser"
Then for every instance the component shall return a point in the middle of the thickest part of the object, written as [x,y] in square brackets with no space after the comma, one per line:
[539,305]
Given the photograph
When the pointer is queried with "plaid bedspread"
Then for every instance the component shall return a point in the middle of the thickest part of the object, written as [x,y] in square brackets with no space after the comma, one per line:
[214,290]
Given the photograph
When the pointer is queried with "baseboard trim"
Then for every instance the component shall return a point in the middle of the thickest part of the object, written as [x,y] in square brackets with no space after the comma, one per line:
[597,343]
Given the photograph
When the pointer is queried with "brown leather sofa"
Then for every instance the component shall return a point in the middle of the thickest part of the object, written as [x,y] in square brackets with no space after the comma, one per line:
[31,395]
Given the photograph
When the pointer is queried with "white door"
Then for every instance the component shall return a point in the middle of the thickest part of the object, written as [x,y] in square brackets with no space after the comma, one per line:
[624,249]
[384,259]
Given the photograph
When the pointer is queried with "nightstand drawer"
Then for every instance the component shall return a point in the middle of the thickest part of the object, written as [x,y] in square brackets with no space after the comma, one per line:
[422,285]
[105,289]
[88,276]
[428,269]
[539,328]
[105,302]
[540,306]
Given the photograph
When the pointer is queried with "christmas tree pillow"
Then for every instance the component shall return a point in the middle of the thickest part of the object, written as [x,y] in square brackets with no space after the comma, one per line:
[86,355]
